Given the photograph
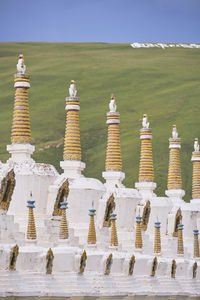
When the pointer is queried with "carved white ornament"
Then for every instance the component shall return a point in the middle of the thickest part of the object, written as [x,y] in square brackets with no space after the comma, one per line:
[21,67]
[174,132]
[4,169]
[145,123]
[29,167]
[196,145]
[112,105]
[72,89]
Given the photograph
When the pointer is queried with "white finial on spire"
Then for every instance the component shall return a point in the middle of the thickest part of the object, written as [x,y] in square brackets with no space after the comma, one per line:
[196,144]
[174,132]
[72,89]
[145,123]
[21,67]
[112,104]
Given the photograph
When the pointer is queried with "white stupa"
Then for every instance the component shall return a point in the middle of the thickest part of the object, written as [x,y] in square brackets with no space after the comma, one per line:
[132,245]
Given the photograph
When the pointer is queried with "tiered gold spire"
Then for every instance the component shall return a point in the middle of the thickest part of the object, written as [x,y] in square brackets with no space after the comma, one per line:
[138,233]
[63,234]
[113,153]
[174,172]
[72,144]
[21,132]
[180,248]
[92,231]
[113,238]
[31,230]
[196,243]
[196,171]
[157,240]
[146,172]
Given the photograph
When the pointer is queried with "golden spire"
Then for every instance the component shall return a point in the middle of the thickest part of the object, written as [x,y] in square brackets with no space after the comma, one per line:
[63,234]
[113,238]
[92,232]
[31,230]
[157,240]
[72,144]
[21,131]
[180,249]
[174,172]
[138,233]
[146,172]
[196,243]
[196,171]
[113,152]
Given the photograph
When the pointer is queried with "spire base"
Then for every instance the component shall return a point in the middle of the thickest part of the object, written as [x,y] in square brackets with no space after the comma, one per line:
[91,246]
[114,248]
[63,242]
[176,194]
[72,169]
[113,179]
[20,152]
[139,250]
[180,255]
[157,254]
[31,241]
[146,190]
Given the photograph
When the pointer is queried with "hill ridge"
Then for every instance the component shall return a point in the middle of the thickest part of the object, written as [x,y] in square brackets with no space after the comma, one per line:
[153,82]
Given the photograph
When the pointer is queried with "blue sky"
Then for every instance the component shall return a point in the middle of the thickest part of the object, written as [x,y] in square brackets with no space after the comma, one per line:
[113,21]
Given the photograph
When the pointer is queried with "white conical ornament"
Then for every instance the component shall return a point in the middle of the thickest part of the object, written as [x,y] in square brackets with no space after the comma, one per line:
[196,144]
[72,89]
[145,123]
[21,67]
[174,132]
[112,104]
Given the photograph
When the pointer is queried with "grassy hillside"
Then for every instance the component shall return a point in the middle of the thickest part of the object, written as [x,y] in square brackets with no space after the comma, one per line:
[162,83]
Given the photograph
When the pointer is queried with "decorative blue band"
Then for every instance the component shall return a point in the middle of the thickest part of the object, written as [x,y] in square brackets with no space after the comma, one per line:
[63,205]
[157,224]
[92,212]
[138,219]
[113,216]
[30,203]
[180,226]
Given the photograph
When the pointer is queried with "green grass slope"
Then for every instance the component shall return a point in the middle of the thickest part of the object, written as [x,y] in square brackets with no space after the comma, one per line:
[162,83]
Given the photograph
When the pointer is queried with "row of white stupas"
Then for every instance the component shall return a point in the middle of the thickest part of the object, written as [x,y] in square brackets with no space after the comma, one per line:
[151,248]
[164,45]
